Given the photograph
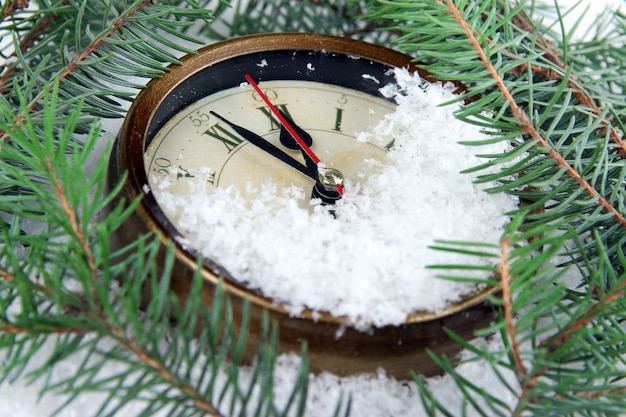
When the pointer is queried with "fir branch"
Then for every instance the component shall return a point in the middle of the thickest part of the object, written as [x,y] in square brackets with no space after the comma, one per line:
[604,301]
[40,286]
[559,372]
[98,43]
[535,396]
[539,103]
[95,68]
[502,51]
[526,125]
[581,96]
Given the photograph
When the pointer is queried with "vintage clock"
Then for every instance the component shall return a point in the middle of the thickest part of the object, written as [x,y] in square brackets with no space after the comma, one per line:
[228,115]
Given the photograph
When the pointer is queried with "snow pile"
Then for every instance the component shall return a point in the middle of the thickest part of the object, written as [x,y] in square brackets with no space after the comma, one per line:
[368,261]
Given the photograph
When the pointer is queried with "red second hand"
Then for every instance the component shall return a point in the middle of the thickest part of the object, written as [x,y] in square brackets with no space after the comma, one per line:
[289,128]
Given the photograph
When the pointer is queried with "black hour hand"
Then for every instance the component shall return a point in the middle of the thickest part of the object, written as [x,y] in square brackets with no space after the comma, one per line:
[268,147]
[290,142]
[287,140]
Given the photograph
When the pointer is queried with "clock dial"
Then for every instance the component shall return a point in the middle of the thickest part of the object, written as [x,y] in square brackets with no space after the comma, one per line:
[186,128]
[196,145]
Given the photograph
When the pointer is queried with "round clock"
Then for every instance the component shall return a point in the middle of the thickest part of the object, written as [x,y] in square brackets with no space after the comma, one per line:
[285,108]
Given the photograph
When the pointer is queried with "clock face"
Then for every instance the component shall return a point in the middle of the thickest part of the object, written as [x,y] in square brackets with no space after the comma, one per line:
[196,146]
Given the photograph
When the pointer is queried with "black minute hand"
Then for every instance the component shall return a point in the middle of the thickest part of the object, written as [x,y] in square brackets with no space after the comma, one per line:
[268,147]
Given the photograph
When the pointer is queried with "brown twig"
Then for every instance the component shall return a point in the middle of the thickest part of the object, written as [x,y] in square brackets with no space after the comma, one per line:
[8,277]
[618,392]
[13,6]
[71,213]
[520,370]
[11,329]
[94,47]
[6,328]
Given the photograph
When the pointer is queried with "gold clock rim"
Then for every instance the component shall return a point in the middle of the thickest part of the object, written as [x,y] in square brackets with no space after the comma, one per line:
[132,137]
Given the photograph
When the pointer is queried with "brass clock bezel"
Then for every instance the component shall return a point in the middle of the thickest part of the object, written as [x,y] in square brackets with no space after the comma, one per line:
[128,157]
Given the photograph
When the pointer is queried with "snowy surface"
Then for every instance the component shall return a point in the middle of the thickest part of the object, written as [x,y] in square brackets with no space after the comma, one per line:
[374,396]
[368,261]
